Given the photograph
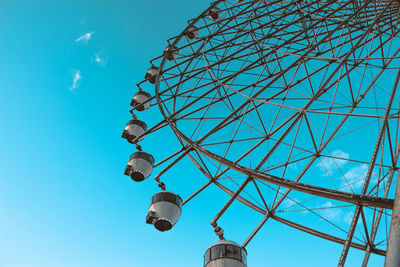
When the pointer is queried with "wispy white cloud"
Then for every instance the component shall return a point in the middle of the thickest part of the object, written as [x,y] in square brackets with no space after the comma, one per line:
[293,166]
[348,217]
[293,204]
[355,176]
[328,212]
[76,77]
[289,202]
[100,59]
[84,38]
[329,165]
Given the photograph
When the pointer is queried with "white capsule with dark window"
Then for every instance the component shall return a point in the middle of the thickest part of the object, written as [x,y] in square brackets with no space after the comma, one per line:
[171,52]
[191,32]
[225,253]
[152,74]
[141,101]
[214,13]
[164,211]
[134,129]
[140,166]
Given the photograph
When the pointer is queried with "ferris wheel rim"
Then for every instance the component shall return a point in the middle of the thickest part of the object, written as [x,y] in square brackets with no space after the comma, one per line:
[332,18]
[297,226]
[344,196]
[357,199]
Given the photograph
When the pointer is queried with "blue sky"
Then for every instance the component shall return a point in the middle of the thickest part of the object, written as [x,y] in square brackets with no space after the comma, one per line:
[68,70]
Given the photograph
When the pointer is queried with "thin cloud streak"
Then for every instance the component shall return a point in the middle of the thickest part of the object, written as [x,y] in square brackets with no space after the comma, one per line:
[85,38]
[355,177]
[99,59]
[76,79]
[329,212]
[330,165]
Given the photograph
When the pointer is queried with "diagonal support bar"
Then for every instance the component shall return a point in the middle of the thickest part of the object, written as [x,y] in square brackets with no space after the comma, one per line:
[369,173]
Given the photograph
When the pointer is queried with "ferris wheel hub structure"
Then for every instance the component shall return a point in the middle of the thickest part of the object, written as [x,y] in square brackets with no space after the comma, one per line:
[291,108]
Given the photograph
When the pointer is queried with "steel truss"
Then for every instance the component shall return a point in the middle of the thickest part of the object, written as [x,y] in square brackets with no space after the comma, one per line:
[291,107]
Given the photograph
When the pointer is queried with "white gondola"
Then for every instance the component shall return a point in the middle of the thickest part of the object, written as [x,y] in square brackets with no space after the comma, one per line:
[214,14]
[191,32]
[152,74]
[164,211]
[140,166]
[171,52]
[133,129]
[225,253]
[141,101]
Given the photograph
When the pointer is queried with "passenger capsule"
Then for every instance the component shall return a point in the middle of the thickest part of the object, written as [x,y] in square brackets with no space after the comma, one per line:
[164,211]
[171,52]
[225,254]
[151,74]
[141,101]
[191,32]
[133,129]
[140,166]
[214,13]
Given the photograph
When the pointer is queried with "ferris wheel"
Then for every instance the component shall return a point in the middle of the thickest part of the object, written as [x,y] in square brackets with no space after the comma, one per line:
[290,107]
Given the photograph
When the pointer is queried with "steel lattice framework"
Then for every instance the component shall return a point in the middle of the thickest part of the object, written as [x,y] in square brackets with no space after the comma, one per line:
[292,108]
